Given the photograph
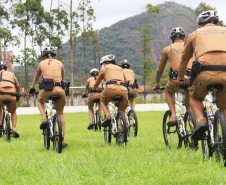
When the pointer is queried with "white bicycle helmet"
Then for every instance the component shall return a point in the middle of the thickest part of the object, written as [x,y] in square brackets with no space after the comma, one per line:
[177,32]
[107,58]
[209,16]
[49,51]
[3,65]
[125,63]
[94,72]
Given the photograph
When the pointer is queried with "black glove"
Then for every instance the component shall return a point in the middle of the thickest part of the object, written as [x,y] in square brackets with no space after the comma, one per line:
[84,96]
[32,91]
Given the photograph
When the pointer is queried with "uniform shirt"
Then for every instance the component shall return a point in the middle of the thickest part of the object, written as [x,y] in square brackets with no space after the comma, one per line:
[50,68]
[110,72]
[6,75]
[208,55]
[173,52]
[90,83]
[130,76]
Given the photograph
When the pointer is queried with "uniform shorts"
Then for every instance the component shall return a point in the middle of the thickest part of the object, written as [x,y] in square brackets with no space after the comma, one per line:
[115,90]
[172,86]
[134,92]
[12,106]
[91,97]
[199,87]
[43,97]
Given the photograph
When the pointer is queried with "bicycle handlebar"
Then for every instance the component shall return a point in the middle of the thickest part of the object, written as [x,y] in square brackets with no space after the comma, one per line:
[159,89]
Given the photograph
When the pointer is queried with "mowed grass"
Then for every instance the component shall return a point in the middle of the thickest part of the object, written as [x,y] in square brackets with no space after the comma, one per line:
[88,160]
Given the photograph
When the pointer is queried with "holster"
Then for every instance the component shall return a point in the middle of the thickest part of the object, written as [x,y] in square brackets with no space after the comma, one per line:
[195,70]
[173,74]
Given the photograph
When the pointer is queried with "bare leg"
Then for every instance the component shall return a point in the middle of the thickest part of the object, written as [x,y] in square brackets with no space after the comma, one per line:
[187,99]
[197,108]
[132,104]
[0,115]
[100,109]
[105,109]
[14,120]
[62,119]
[90,111]
[41,107]
[170,99]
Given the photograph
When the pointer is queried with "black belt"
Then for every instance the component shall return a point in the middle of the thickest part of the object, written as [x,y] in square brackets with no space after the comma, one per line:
[9,93]
[115,82]
[213,68]
[56,83]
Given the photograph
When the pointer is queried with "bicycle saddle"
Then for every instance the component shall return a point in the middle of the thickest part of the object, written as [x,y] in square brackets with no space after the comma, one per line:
[184,86]
[96,100]
[216,86]
[54,97]
[117,98]
[6,102]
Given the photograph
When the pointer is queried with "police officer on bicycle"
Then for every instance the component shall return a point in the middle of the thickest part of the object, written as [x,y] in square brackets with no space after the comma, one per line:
[116,85]
[130,76]
[173,52]
[93,95]
[52,71]
[8,86]
[208,45]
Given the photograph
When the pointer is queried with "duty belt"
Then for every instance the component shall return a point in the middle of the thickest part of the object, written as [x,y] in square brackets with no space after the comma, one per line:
[116,82]
[57,84]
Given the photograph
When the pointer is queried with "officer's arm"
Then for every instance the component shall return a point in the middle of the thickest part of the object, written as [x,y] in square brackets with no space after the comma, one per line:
[37,75]
[162,64]
[87,85]
[100,77]
[186,55]
[16,85]
[63,73]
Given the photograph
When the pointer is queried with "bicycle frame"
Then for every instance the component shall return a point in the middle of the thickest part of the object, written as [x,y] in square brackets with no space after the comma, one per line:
[50,113]
[113,116]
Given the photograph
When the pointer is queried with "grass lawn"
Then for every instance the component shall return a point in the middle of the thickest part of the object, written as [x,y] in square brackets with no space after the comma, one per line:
[88,160]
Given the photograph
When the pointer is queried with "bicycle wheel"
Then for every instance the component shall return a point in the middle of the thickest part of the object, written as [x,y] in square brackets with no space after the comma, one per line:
[220,136]
[57,134]
[121,129]
[107,134]
[98,120]
[207,149]
[133,124]
[190,125]
[94,121]
[170,134]
[7,129]
[46,134]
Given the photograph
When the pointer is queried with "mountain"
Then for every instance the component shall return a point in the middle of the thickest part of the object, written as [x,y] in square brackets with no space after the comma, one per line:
[122,40]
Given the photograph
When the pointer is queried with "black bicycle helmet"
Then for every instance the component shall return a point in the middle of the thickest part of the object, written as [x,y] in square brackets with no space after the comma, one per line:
[48,51]
[107,58]
[3,65]
[94,72]
[209,16]
[177,32]
[125,63]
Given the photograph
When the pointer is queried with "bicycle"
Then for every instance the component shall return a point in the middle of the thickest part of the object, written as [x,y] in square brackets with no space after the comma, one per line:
[118,127]
[6,124]
[214,140]
[182,130]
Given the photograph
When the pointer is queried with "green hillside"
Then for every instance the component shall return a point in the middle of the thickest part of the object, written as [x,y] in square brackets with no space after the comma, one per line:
[122,40]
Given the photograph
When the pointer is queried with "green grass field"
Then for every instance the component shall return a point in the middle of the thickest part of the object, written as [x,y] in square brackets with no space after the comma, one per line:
[88,160]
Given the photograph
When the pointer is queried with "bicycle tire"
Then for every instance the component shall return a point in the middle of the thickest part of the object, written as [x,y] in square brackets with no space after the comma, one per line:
[121,134]
[133,123]
[107,134]
[170,137]
[220,136]
[98,120]
[7,129]
[46,134]
[190,125]
[57,134]
[207,149]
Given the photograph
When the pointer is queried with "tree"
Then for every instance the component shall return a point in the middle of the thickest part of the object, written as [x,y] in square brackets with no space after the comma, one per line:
[145,42]
[25,15]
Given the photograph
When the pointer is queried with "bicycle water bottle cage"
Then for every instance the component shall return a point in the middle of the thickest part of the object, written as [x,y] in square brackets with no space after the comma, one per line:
[117,99]
[96,100]
[6,102]
[54,97]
